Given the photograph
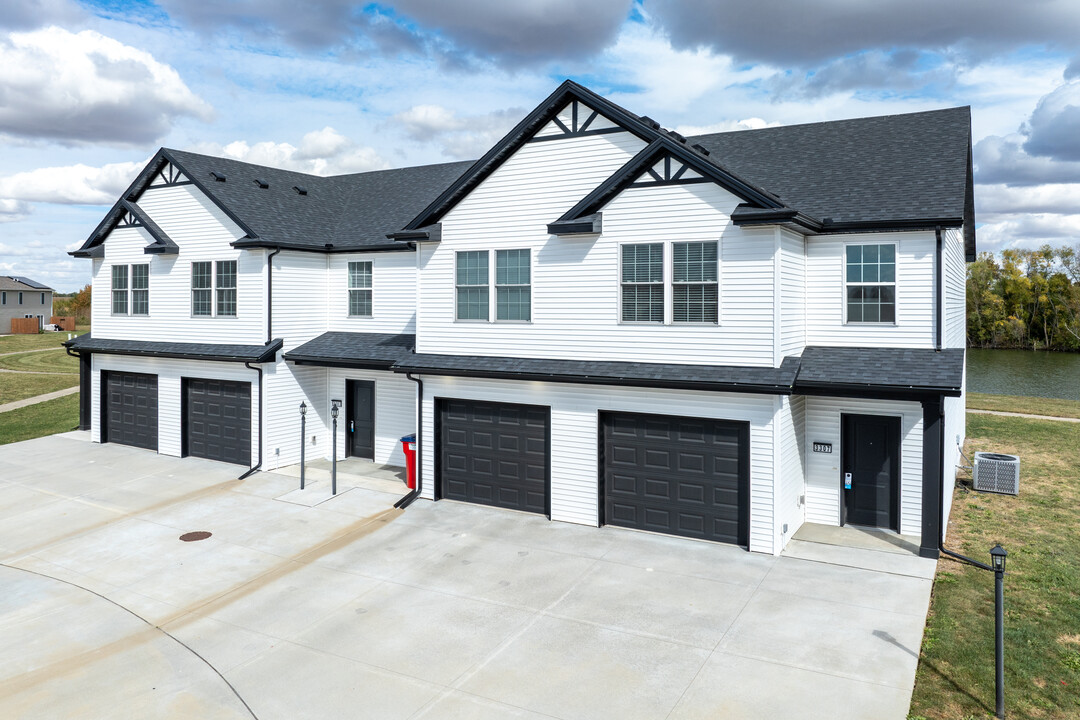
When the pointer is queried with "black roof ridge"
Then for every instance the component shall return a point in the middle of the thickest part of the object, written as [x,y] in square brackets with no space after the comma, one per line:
[690,138]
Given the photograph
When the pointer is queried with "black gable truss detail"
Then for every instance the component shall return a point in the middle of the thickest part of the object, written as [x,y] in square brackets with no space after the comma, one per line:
[126,205]
[581,119]
[168,175]
[675,156]
[521,134]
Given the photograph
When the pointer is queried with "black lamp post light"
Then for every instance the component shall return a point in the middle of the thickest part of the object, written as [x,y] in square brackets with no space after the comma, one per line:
[303,435]
[997,561]
[335,407]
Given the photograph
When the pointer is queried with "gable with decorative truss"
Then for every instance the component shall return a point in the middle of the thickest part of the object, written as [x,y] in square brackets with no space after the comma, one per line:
[168,176]
[668,171]
[574,120]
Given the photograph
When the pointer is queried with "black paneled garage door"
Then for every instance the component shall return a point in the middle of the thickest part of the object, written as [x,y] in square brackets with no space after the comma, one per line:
[217,420]
[676,475]
[494,453]
[130,409]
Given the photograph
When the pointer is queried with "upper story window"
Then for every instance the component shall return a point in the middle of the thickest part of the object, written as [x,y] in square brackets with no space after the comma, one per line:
[225,283]
[513,291]
[213,288]
[202,274]
[643,283]
[20,298]
[471,280]
[140,289]
[360,289]
[119,289]
[870,278]
[133,279]
[3,298]
[42,298]
[694,289]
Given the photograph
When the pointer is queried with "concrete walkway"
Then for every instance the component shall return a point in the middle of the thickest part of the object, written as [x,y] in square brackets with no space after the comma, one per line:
[20,352]
[16,404]
[346,607]
[1024,415]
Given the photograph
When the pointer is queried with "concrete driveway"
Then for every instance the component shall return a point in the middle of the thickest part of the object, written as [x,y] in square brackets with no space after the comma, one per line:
[300,606]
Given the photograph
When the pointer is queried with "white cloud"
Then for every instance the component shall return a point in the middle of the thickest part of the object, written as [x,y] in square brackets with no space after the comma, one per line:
[754,123]
[70,184]
[12,210]
[1028,230]
[321,152]
[1057,198]
[462,138]
[84,87]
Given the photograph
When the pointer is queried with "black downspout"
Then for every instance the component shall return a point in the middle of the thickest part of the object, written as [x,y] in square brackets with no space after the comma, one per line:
[941,504]
[939,304]
[258,369]
[270,301]
[85,372]
[407,500]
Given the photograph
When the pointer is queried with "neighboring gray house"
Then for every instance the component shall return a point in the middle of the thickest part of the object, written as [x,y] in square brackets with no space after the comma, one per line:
[600,321]
[21,297]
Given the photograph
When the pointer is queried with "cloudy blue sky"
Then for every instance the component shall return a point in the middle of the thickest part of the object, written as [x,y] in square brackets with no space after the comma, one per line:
[89,89]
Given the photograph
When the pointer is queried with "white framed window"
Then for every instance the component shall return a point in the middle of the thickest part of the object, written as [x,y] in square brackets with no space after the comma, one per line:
[472,285]
[119,290]
[140,289]
[360,302]
[513,288]
[642,282]
[870,283]
[202,280]
[695,288]
[225,284]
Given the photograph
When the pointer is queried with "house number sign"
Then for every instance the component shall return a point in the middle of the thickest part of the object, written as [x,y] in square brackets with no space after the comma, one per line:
[823,447]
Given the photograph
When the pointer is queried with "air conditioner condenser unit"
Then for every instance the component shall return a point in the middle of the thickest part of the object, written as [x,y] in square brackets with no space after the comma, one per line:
[996,473]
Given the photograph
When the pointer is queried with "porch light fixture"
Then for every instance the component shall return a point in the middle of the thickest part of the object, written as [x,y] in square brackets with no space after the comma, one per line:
[303,434]
[335,407]
[997,560]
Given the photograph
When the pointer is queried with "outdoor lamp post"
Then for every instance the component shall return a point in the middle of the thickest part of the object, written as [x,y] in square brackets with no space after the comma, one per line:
[335,406]
[997,560]
[303,434]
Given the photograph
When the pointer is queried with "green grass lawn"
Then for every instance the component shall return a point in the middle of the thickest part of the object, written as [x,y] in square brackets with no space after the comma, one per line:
[17,386]
[47,418]
[1040,529]
[1022,404]
[17,343]
[53,361]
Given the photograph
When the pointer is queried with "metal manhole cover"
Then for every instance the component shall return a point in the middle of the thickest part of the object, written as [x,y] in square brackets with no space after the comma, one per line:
[193,536]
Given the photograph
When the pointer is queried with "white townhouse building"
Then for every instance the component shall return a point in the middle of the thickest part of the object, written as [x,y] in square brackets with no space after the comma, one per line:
[719,337]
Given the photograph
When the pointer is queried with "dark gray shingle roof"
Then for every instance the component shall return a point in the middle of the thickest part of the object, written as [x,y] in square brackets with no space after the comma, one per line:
[349,211]
[894,167]
[352,349]
[704,377]
[882,368]
[18,282]
[195,351]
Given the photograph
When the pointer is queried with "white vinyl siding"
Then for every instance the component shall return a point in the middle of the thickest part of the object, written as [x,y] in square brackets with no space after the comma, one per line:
[792,293]
[955,292]
[395,410]
[791,447]
[393,280]
[169,373]
[575,412]
[570,274]
[823,469]
[955,435]
[825,271]
[286,386]
[203,233]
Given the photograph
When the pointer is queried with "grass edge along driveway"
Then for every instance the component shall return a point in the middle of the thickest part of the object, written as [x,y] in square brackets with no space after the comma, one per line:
[1040,529]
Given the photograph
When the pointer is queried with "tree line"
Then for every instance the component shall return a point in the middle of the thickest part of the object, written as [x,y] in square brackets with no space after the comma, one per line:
[1026,299]
[76,304]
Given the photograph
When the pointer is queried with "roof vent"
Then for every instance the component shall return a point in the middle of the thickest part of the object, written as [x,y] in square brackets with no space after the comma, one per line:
[677,136]
[262,183]
[700,148]
[220,177]
[650,122]
[300,189]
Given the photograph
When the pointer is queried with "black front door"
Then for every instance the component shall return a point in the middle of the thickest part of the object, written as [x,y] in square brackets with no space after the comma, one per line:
[360,416]
[871,447]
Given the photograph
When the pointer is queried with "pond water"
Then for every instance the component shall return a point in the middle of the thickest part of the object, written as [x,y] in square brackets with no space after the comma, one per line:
[1024,372]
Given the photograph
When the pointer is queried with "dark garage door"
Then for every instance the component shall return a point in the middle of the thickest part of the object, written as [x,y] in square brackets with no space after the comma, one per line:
[130,409]
[494,454]
[217,420]
[676,475]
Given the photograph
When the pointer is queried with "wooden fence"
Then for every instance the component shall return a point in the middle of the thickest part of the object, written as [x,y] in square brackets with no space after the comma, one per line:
[24,326]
